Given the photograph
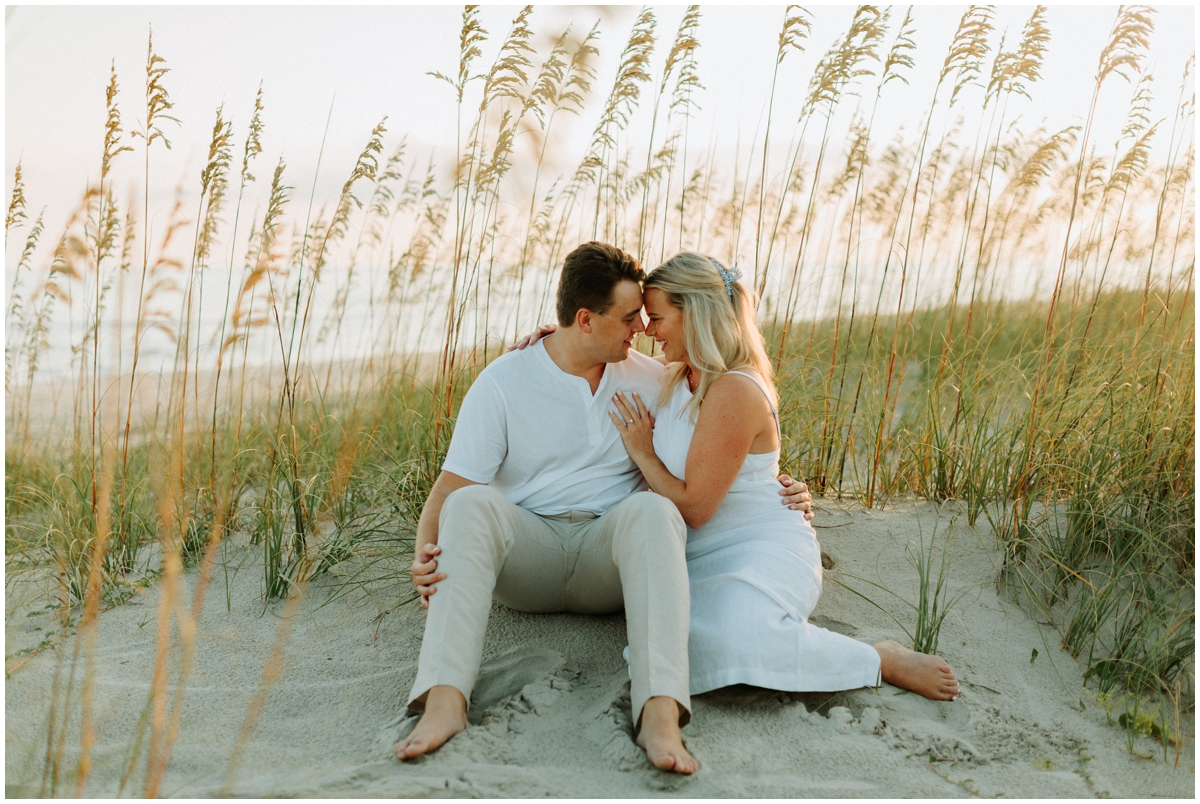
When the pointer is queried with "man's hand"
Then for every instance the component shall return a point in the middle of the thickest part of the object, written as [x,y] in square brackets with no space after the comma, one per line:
[424,567]
[424,572]
[795,495]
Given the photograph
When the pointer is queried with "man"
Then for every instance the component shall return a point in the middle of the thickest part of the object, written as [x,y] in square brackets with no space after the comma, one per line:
[539,505]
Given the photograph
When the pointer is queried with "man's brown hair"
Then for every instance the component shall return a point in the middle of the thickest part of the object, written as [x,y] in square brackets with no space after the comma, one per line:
[589,275]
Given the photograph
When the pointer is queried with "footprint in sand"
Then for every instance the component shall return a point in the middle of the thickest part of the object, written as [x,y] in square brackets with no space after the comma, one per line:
[506,675]
[830,624]
[609,725]
[393,732]
[500,678]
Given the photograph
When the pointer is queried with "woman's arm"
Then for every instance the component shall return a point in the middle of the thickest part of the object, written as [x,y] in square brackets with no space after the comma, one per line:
[732,417]
[534,337]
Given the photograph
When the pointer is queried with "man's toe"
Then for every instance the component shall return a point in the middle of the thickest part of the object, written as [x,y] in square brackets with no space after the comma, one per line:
[414,748]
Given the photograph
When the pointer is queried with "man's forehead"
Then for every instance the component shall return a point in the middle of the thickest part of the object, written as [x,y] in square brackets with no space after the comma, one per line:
[628,294]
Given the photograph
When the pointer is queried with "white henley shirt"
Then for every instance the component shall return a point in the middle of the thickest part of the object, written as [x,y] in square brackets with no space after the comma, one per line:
[541,437]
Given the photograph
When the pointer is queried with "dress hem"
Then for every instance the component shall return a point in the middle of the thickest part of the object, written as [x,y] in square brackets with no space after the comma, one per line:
[714,681]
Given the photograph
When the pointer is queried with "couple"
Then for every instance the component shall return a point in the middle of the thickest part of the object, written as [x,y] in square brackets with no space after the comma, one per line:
[541,503]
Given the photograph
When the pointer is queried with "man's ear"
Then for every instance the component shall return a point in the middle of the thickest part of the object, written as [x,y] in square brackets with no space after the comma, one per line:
[583,320]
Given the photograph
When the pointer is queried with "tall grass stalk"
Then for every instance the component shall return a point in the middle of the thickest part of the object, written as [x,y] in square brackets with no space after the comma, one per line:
[1127,42]
[918,355]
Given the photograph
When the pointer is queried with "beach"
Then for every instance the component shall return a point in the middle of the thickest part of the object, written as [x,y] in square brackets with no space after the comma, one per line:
[550,713]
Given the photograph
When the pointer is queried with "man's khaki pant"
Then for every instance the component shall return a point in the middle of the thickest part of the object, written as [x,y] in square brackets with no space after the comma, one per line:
[577,562]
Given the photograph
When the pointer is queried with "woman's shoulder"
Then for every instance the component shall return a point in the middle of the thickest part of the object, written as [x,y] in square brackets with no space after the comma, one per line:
[742,378]
[740,386]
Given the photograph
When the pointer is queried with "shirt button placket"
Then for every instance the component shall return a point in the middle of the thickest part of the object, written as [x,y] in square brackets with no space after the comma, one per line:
[590,411]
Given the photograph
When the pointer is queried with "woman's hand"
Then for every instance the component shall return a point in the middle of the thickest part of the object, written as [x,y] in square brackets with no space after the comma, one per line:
[635,424]
[795,495]
[424,572]
[531,339]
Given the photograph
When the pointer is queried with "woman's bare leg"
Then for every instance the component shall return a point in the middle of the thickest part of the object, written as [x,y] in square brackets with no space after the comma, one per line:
[918,672]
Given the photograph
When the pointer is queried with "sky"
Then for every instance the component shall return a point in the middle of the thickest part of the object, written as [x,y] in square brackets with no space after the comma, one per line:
[329,74]
[348,67]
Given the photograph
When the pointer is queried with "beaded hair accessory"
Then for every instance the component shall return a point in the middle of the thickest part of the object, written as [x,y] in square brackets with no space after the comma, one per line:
[728,276]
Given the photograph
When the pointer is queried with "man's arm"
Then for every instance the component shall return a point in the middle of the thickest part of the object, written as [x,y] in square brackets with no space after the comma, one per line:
[424,567]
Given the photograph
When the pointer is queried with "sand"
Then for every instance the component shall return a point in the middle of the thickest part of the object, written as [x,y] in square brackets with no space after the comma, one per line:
[550,715]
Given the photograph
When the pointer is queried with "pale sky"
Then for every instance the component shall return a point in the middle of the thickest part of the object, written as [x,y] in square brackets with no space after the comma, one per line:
[369,61]
[353,65]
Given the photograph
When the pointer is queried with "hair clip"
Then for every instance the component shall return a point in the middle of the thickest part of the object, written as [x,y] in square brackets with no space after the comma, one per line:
[728,276]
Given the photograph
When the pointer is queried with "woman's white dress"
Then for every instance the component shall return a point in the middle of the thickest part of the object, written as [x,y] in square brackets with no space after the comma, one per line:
[755,576]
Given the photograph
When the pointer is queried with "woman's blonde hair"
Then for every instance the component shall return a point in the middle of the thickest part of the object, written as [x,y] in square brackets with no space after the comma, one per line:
[719,329]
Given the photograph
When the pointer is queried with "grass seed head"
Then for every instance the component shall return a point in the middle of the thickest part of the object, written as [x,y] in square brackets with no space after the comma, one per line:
[253,138]
[112,126]
[1012,71]
[508,73]
[898,56]
[967,49]
[797,25]
[1128,43]
[470,37]
[16,206]
[581,73]
[214,183]
[158,100]
[549,81]
[683,55]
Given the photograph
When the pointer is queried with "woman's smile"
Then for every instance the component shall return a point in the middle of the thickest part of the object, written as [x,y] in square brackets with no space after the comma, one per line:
[665,324]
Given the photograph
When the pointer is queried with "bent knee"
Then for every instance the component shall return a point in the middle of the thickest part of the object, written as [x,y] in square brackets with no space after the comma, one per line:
[468,504]
[648,503]
[471,496]
[654,514]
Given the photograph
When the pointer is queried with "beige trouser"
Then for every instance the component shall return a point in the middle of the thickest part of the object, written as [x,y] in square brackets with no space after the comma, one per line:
[577,562]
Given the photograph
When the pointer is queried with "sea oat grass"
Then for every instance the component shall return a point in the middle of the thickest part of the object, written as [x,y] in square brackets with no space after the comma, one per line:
[918,356]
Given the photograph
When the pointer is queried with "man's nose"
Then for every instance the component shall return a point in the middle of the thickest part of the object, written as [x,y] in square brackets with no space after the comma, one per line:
[639,323]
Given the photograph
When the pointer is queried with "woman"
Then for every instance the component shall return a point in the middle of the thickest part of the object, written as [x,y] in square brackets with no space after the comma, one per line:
[754,566]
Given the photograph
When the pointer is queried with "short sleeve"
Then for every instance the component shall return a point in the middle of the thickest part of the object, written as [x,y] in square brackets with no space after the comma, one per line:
[480,441]
[645,376]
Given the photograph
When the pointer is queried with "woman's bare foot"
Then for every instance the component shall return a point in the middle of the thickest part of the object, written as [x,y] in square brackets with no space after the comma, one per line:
[660,737]
[918,672]
[445,716]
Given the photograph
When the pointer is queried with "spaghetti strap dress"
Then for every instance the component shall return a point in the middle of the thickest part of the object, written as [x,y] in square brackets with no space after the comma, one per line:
[754,573]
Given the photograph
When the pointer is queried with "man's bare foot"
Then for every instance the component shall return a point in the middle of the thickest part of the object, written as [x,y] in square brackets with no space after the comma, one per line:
[445,716]
[918,672]
[660,737]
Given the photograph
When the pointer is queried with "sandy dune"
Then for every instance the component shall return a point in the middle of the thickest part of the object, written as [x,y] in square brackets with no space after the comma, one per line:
[550,716]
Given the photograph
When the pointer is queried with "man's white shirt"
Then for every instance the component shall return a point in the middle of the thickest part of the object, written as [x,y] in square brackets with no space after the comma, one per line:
[543,439]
